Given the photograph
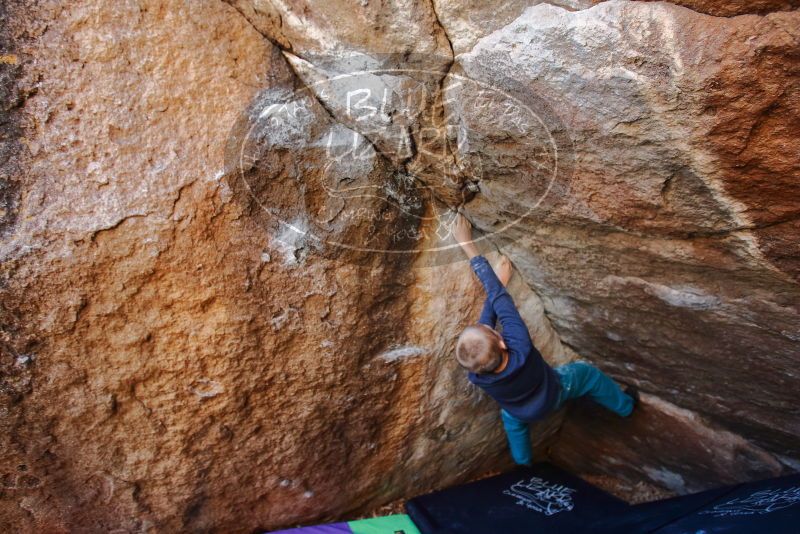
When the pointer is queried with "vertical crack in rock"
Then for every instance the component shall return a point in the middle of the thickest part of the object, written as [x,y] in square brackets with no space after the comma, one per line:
[415,162]
[444,31]
[289,53]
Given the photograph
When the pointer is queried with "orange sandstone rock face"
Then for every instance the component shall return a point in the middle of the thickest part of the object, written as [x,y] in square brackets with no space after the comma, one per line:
[170,364]
[174,359]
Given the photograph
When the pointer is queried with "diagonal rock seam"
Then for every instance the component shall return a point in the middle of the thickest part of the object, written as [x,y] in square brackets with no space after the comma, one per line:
[288,52]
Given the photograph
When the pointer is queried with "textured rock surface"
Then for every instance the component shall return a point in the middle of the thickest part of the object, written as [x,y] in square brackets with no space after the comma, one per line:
[466,21]
[404,120]
[731,8]
[308,28]
[667,255]
[691,452]
[173,360]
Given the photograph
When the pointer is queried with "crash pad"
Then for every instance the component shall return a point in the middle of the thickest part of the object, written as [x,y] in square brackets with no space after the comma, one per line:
[332,528]
[391,524]
[541,498]
[545,499]
[769,506]
[651,516]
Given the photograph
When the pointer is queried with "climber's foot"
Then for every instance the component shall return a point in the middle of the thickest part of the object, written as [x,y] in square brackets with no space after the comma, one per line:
[504,270]
[633,392]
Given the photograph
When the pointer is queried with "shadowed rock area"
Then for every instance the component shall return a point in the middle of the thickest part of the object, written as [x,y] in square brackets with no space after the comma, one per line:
[230,297]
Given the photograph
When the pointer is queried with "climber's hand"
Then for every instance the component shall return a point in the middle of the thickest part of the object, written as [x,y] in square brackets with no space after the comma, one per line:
[504,270]
[462,229]
[462,232]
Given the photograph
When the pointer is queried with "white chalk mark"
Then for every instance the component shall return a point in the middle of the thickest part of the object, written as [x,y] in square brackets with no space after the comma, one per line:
[671,480]
[401,353]
[206,388]
[679,296]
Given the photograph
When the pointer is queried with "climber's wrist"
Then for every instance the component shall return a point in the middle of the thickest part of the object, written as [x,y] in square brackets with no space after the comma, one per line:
[470,249]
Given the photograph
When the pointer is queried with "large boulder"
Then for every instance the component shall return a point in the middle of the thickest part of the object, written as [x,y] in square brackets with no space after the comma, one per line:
[174,359]
[467,21]
[228,303]
[667,252]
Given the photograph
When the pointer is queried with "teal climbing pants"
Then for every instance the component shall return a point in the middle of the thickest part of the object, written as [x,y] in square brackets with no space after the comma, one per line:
[577,379]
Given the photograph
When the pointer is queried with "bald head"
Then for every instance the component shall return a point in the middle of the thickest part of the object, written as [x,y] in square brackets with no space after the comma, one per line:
[479,349]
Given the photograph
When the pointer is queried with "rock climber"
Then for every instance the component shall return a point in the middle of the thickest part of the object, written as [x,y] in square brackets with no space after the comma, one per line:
[508,367]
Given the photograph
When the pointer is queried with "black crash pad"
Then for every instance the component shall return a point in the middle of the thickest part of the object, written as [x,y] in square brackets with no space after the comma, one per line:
[651,516]
[769,506]
[542,498]
[545,499]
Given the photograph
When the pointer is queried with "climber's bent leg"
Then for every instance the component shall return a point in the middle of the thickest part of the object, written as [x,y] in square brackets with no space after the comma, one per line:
[519,440]
[582,378]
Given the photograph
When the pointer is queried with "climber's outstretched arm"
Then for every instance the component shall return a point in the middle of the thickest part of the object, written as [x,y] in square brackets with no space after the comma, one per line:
[462,231]
[503,270]
[515,333]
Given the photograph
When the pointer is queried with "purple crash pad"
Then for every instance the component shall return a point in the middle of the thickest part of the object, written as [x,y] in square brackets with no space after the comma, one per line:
[333,528]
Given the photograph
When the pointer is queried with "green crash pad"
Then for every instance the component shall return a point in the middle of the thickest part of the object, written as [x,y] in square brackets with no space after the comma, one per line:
[390,524]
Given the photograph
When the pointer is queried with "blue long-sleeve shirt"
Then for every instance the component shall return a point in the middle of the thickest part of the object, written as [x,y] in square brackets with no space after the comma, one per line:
[528,387]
